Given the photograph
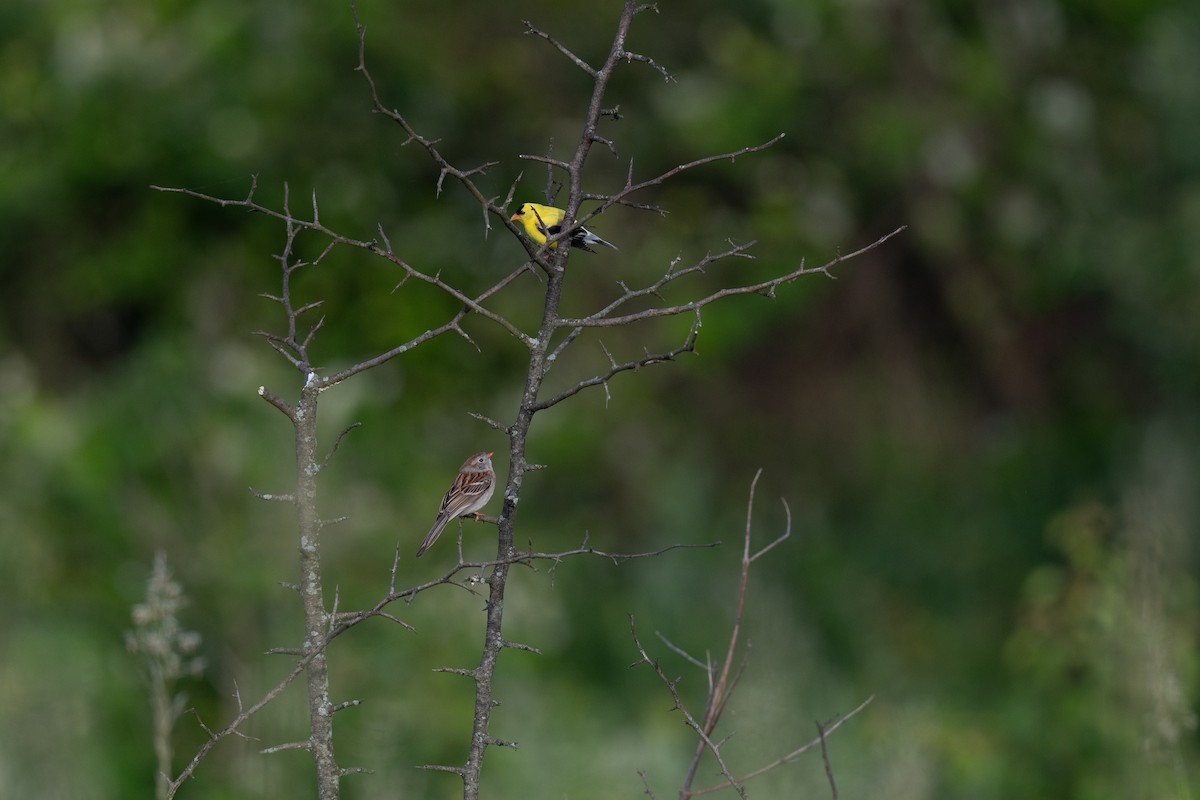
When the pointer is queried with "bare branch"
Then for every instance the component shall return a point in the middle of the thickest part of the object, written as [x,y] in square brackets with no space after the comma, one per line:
[444,166]
[524,557]
[787,531]
[576,60]
[646,782]
[466,673]
[277,401]
[549,161]
[309,307]
[491,423]
[518,646]
[293,344]
[338,441]
[790,757]
[552,186]
[311,333]
[285,651]
[667,76]
[344,705]
[279,748]
[398,621]
[275,498]
[347,620]
[280,345]
[619,197]
[383,358]
[825,758]
[673,273]
[705,742]
[233,726]
[722,682]
[706,666]
[688,346]
[720,689]
[612,148]
[755,288]
[460,771]
[471,304]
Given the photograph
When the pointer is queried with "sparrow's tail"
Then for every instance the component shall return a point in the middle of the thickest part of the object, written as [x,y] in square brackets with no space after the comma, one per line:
[438,526]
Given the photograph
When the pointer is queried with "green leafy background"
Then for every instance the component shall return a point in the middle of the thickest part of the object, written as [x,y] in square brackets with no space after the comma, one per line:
[986,430]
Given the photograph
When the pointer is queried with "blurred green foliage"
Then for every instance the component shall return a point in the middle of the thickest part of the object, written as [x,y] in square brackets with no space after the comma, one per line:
[987,430]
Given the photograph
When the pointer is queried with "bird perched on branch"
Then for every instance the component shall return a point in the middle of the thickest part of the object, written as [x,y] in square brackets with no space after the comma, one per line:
[542,221]
[470,492]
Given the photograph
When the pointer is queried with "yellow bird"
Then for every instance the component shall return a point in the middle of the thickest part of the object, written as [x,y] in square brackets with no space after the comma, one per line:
[542,221]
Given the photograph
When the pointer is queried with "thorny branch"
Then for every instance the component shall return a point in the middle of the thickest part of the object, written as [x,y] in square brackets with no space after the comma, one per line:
[830,727]
[767,287]
[723,681]
[296,351]
[293,345]
[341,622]
[602,318]
[234,725]
[688,346]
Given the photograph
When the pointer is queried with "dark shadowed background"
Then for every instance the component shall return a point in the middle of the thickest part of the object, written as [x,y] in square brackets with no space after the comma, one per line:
[987,430]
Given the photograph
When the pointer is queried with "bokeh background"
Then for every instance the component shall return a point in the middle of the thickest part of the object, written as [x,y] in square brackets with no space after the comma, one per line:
[986,430]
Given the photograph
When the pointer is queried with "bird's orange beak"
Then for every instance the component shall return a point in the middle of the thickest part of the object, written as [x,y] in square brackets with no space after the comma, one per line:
[515,216]
[490,453]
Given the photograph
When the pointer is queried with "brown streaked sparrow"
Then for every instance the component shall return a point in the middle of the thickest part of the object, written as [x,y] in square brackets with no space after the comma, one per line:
[470,492]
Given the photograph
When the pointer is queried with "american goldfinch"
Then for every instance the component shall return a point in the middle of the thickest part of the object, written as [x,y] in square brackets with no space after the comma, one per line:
[540,221]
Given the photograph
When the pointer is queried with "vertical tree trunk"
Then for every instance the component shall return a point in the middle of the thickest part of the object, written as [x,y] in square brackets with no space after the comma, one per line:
[316,620]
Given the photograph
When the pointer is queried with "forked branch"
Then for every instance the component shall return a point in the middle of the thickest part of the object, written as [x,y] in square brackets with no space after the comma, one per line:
[294,341]
[723,679]
[766,287]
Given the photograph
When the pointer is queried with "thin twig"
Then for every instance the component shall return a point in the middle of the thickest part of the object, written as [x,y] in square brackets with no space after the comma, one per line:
[702,735]
[574,59]
[753,288]
[232,727]
[825,758]
[688,346]
[718,695]
[790,757]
